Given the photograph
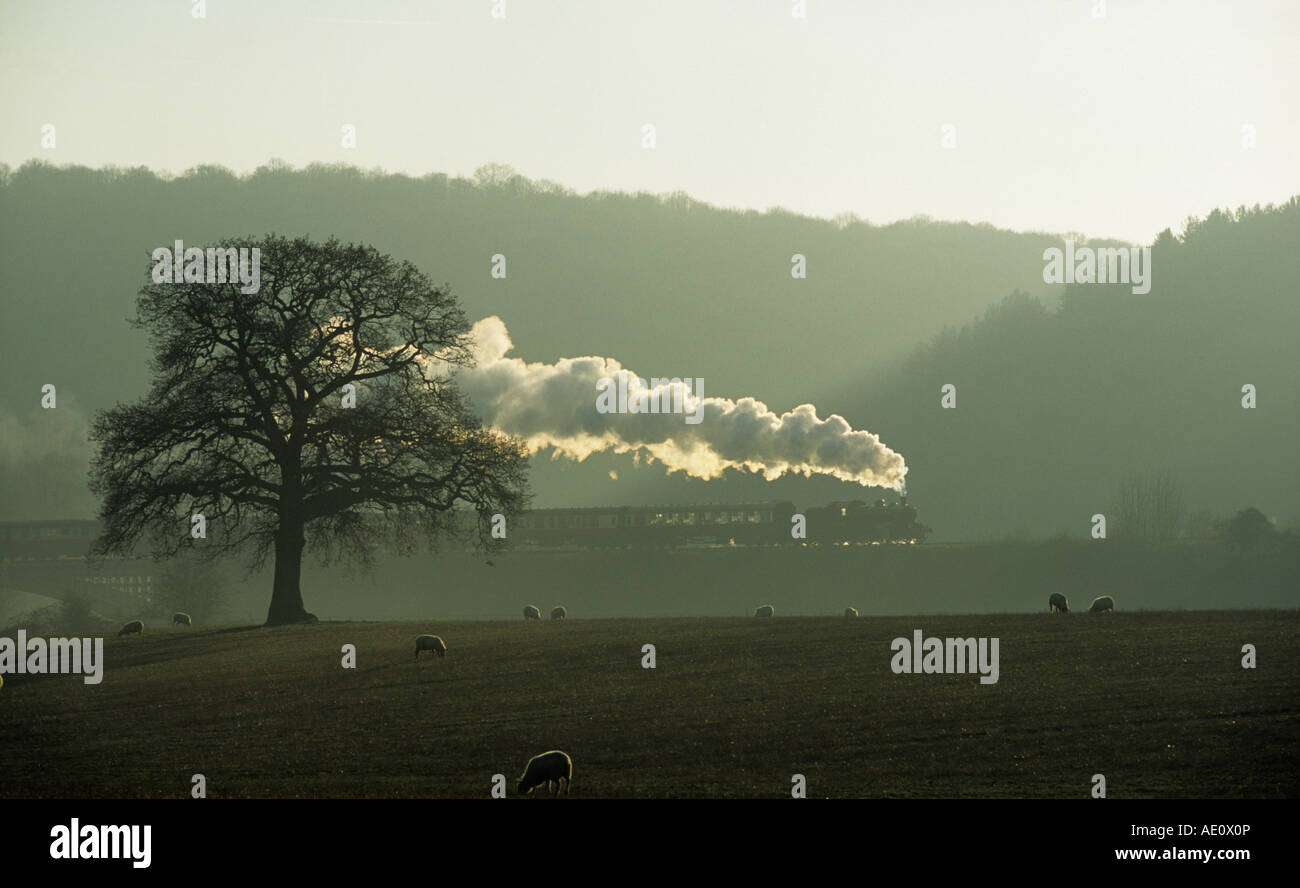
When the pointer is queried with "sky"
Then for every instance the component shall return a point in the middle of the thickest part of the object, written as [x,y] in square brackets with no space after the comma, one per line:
[1026,114]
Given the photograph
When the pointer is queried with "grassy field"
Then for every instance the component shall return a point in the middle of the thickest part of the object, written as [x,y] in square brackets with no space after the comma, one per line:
[1156,701]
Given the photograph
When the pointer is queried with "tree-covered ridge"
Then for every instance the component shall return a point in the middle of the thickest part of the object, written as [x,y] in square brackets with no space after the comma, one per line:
[667,284]
[1057,403]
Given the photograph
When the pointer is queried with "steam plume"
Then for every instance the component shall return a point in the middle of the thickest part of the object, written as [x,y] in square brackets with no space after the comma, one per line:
[554,405]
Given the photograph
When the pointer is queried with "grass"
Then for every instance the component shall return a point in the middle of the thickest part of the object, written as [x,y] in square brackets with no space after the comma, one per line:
[1156,701]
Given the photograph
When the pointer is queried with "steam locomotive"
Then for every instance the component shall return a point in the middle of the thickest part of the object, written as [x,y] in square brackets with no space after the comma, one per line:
[852,522]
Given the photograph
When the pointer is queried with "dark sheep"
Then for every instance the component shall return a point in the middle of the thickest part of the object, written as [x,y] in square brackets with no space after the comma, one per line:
[135,627]
[1058,604]
[1105,604]
[432,643]
[553,768]
[532,613]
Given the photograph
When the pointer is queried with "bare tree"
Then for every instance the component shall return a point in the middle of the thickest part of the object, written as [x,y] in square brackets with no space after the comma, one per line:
[312,413]
[1148,507]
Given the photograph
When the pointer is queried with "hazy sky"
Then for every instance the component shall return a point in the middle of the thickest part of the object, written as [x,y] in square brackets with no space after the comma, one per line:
[1118,125]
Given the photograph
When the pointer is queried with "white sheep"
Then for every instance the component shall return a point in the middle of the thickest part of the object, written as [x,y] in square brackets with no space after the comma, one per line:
[181,619]
[135,627]
[552,767]
[850,611]
[433,643]
[558,613]
[1058,604]
[1103,604]
[532,613]
[765,611]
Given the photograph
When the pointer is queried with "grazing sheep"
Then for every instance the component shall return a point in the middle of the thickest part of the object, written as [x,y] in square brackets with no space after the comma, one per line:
[1058,604]
[432,643]
[1104,604]
[558,612]
[765,611]
[850,611]
[181,619]
[552,767]
[135,627]
[532,613]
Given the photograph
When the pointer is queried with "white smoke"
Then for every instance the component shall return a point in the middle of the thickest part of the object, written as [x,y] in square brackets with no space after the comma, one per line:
[554,405]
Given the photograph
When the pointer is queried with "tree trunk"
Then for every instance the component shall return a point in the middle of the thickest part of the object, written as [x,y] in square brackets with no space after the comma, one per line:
[286,595]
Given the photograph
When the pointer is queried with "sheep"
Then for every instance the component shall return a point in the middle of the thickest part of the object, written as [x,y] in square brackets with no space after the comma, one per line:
[850,611]
[532,613]
[552,767]
[135,627]
[432,643]
[1104,604]
[558,612]
[181,619]
[1058,603]
[765,611]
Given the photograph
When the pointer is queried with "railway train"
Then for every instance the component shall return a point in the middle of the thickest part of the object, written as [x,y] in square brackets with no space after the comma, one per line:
[852,522]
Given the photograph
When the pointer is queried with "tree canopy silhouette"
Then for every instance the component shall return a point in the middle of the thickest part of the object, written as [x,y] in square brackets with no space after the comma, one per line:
[1249,530]
[318,413]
